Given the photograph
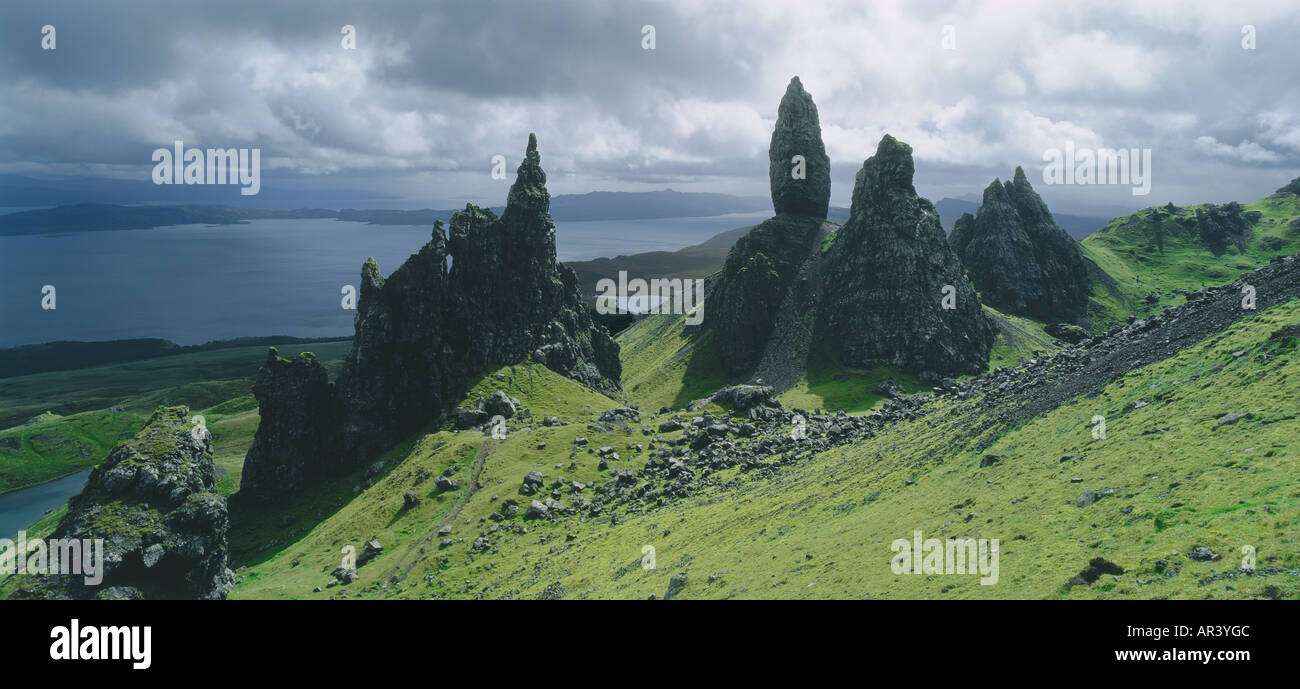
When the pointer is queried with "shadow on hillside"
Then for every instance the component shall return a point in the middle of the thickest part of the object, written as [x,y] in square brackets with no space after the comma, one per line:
[704,371]
[260,531]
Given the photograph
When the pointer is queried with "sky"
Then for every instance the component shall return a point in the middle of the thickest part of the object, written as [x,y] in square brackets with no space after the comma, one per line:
[434,90]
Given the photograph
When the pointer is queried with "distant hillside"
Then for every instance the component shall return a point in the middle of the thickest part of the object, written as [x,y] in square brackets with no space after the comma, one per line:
[1078,226]
[698,261]
[600,205]
[1156,256]
[68,355]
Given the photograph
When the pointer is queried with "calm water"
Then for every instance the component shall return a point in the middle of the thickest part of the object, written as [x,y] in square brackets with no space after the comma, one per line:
[195,283]
[21,508]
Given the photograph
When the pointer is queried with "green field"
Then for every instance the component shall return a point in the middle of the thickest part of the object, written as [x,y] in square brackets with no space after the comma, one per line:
[822,528]
[59,423]
[1145,262]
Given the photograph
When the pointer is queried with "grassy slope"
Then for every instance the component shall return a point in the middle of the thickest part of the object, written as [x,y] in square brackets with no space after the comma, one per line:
[663,365]
[1126,248]
[822,528]
[108,403]
[1017,339]
[358,514]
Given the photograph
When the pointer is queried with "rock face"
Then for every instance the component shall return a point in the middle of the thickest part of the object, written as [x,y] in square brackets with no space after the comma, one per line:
[424,332]
[1018,258]
[154,504]
[765,286]
[885,277]
[799,133]
[869,292]
[1219,226]
[299,429]
[760,271]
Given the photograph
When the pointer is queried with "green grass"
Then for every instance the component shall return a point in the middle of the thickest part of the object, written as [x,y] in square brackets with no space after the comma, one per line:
[147,383]
[822,528]
[1142,264]
[833,386]
[663,365]
[1018,339]
[93,409]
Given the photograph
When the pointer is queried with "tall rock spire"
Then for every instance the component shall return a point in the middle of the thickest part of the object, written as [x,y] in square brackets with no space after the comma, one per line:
[799,188]
[529,190]
[895,293]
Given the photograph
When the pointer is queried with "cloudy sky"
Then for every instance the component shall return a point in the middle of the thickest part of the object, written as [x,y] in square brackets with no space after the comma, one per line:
[434,90]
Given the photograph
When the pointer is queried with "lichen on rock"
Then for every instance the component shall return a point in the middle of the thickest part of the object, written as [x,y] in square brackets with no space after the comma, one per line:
[154,504]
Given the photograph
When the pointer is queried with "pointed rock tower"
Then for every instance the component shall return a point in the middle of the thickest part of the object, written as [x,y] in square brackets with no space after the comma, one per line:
[765,281]
[1018,258]
[798,188]
[422,335]
[887,275]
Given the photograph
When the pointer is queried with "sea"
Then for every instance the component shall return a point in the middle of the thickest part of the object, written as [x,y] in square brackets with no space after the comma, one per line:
[195,283]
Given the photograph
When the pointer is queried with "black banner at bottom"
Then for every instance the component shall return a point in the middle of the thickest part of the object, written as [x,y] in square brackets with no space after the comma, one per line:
[165,639]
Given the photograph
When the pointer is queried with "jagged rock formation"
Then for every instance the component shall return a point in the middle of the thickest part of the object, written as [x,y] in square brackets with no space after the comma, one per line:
[869,292]
[299,423]
[154,504]
[1220,225]
[885,275]
[1018,258]
[798,132]
[424,332]
[760,271]
[765,268]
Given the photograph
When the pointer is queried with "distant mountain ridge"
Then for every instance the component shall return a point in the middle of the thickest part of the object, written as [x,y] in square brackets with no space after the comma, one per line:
[597,205]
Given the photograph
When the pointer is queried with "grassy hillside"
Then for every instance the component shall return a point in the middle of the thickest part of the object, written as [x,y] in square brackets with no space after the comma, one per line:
[1170,476]
[1151,264]
[663,365]
[1017,339]
[91,409]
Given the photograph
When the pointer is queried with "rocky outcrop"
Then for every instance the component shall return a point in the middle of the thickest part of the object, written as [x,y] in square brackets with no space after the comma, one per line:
[886,275]
[799,133]
[1219,226]
[869,292]
[742,304]
[424,332]
[1018,258]
[1293,187]
[766,275]
[299,432]
[154,504]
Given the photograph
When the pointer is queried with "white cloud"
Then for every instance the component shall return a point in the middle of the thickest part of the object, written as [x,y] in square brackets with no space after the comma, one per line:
[1246,151]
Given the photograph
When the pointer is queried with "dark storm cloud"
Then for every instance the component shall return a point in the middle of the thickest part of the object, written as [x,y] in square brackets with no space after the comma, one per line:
[434,90]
